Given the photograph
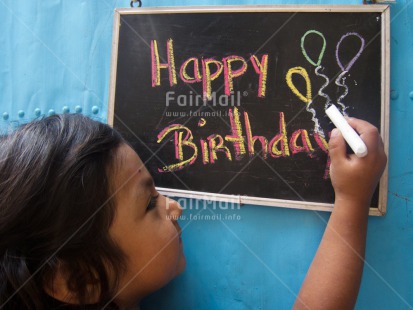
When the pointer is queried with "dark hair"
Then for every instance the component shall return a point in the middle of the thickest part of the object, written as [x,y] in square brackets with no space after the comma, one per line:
[55,207]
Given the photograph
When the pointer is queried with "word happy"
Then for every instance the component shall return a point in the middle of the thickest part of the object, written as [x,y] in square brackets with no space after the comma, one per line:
[207,70]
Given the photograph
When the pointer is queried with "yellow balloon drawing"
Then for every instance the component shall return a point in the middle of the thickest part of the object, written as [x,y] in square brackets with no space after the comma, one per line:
[303,72]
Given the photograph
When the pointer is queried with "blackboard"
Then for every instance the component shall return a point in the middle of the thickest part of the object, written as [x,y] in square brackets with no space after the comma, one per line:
[228,102]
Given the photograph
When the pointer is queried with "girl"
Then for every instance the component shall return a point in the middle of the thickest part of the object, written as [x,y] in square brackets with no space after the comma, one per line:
[80,220]
[82,226]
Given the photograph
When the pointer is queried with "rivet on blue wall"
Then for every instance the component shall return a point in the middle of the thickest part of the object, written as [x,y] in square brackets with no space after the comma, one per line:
[37,112]
[21,113]
[95,109]
[65,109]
[5,116]
[78,109]
[411,95]
[51,112]
[394,94]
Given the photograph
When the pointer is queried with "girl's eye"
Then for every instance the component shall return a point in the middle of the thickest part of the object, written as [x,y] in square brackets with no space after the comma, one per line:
[152,203]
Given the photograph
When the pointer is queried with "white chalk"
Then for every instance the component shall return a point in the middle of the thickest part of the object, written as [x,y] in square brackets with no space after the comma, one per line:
[349,134]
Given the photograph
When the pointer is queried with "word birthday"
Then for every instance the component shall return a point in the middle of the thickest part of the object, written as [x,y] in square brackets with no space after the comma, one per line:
[187,149]
[207,70]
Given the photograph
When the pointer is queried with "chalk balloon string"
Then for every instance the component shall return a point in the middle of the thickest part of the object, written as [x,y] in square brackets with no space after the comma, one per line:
[134,1]
[320,91]
[341,82]
[317,127]
[318,63]
[341,79]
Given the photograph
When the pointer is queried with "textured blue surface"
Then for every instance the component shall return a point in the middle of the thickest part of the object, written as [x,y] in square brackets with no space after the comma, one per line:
[55,57]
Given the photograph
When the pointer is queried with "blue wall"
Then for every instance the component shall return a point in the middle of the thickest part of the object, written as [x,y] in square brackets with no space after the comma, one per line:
[55,55]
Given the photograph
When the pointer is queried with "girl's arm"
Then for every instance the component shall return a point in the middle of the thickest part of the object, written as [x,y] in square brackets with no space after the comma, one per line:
[333,280]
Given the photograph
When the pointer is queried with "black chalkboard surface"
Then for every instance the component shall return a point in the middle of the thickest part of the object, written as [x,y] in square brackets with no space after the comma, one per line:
[229,102]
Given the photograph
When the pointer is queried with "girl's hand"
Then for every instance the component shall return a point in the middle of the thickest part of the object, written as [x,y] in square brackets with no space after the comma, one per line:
[353,178]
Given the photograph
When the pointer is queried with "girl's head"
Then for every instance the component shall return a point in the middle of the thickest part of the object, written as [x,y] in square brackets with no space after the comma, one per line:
[80,218]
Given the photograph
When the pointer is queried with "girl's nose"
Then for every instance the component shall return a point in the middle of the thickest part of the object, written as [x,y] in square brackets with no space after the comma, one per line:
[173,208]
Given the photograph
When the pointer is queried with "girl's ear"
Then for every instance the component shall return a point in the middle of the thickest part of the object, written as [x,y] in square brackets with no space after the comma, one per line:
[58,288]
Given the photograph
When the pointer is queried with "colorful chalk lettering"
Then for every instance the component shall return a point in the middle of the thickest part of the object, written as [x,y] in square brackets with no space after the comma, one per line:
[237,143]
[240,141]
[206,70]
[261,69]
[157,65]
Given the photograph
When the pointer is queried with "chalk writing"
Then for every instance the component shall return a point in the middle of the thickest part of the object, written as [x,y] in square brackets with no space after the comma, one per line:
[207,70]
[240,141]
[157,65]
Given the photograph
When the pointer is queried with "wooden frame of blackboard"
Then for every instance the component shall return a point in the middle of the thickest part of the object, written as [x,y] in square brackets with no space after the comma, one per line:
[384,11]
